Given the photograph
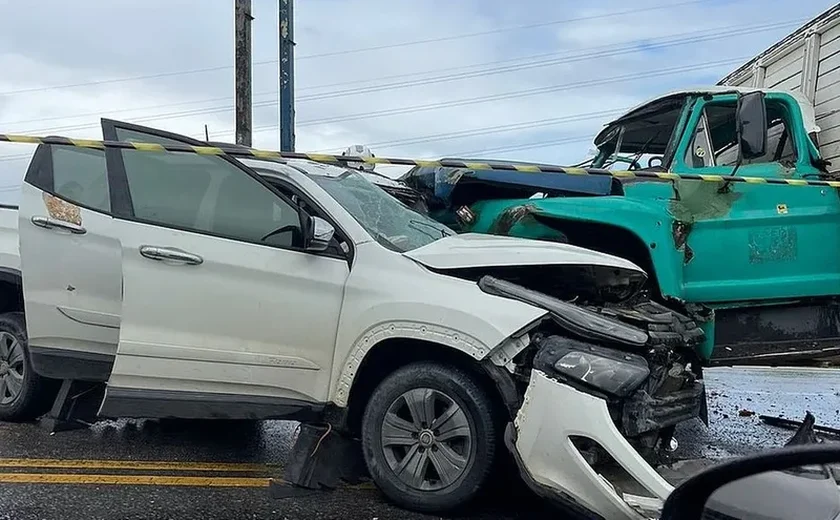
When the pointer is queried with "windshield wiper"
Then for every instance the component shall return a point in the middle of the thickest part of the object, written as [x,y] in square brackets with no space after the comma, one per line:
[642,151]
[443,233]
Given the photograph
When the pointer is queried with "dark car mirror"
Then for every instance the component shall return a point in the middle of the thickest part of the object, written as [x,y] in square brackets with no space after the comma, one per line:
[751,124]
[318,235]
[780,484]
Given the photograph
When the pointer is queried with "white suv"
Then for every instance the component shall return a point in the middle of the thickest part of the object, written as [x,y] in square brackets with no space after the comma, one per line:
[203,286]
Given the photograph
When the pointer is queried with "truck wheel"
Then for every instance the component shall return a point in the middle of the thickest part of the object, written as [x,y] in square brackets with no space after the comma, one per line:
[24,395]
[428,437]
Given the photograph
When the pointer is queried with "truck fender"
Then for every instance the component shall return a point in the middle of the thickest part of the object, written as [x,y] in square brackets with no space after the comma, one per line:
[653,229]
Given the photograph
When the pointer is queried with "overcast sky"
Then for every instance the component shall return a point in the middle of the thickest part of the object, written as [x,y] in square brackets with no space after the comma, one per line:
[63,65]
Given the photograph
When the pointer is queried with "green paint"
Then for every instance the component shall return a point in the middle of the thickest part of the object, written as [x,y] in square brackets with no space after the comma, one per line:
[743,250]
[705,350]
[701,201]
[773,244]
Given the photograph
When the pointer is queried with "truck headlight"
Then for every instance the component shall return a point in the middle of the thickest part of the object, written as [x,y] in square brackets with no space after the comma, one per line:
[611,371]
[575,319]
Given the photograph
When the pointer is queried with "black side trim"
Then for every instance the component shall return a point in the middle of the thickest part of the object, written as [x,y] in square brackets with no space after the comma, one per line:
[68,364]
[11,275]
[166,404]
[40,170]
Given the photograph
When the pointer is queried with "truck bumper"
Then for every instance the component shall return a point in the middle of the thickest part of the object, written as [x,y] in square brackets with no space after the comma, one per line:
[551,417]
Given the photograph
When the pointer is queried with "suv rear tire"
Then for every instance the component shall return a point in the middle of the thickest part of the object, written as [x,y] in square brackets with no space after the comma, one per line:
[429,437]
[24,395]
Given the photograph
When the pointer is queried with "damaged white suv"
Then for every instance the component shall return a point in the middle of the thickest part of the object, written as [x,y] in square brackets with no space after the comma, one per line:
[203,286]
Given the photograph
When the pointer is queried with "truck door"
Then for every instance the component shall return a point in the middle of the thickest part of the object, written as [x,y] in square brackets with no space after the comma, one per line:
[754,242]
[221,318]
[71,264]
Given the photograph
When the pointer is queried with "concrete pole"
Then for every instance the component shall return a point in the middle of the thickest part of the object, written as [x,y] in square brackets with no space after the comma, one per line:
[242,10]
[287,76]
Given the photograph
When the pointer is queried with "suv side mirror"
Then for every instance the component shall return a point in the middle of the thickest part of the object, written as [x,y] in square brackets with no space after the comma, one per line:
[318,235]
[779,484]
[751,125]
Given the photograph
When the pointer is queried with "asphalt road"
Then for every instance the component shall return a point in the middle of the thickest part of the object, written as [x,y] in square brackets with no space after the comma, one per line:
[192,470]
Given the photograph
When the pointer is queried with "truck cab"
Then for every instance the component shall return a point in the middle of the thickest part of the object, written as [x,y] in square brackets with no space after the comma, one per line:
[759,255]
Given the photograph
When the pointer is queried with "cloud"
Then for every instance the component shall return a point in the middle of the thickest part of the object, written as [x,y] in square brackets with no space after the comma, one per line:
[88,41]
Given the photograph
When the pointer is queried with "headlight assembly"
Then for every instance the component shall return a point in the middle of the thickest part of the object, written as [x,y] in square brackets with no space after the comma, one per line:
[607,370]
[610,371]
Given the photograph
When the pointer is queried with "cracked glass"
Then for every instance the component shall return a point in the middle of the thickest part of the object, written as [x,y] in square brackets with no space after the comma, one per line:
[386,219]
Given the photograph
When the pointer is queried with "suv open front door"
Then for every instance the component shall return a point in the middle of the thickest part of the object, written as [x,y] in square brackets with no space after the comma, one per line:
[224,314]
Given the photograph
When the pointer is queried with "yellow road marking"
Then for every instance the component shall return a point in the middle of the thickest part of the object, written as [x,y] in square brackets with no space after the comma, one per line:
[131,480]
[132,465]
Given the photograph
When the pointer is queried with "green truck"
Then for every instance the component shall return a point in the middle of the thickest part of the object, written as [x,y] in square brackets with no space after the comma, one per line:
[762,258]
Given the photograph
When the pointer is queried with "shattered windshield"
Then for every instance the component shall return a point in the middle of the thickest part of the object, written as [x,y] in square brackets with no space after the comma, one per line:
[388,220]
[640,140]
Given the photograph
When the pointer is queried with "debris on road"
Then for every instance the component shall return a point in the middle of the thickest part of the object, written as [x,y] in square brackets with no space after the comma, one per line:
[780,422]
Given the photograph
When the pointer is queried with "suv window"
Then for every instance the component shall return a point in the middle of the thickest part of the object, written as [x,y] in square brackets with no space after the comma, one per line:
[714,142]
[206,194]
[80,176]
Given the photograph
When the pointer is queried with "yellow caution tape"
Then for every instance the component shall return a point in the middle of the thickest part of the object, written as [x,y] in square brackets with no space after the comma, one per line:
[237,151]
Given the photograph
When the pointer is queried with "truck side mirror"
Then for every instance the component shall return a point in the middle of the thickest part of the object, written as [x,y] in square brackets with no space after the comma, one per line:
[751,125]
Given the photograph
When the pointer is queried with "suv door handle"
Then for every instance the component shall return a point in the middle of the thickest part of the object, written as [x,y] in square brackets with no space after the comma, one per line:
[54,223]
[170,254]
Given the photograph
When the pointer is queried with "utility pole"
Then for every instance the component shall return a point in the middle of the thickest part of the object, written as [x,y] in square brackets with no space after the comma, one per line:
[287,76]
[242,12]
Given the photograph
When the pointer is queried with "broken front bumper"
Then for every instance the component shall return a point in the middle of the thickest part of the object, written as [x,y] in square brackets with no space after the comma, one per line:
[551,417]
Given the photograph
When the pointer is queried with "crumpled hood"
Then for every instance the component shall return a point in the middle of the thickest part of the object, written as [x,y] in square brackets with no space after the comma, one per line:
[480,250]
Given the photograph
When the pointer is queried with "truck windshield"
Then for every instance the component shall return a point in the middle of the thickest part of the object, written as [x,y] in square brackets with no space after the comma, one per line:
[639,140]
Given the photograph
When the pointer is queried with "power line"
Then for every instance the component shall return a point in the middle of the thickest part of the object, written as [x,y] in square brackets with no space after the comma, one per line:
[631,44]
[496,97]
[505,29]
[524,125]
[507,95]
[630,47]
[519,67]
[357,50]
[188,113]
[493,97]
[541,144]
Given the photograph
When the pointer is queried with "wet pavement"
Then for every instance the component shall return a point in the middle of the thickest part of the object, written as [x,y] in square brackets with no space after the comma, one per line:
[186,470]
[738,396]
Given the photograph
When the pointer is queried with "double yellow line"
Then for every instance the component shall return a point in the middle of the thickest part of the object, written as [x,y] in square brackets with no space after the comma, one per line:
[48,477]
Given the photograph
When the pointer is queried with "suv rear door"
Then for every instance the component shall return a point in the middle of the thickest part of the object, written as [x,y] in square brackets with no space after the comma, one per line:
[217,319]
[71,264]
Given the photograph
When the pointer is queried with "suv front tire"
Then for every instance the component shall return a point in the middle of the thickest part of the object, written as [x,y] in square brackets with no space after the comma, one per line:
[428,437]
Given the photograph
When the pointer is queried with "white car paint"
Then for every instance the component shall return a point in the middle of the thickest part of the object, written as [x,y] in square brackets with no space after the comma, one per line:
[253,321]
[475,249]
[388,295]
[550,415]
[72,281]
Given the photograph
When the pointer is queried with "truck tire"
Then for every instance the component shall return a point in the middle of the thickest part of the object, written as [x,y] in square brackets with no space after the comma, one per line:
[428,437]
[24,395]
